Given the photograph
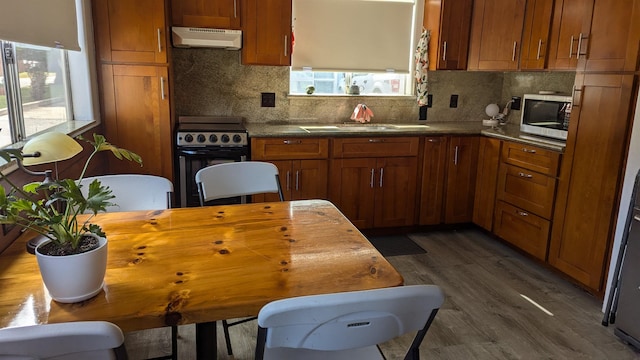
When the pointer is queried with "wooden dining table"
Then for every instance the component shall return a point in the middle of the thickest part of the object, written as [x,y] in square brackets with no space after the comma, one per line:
[200,265]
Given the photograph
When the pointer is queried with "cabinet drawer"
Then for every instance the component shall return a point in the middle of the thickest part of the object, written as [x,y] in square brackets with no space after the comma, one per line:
[375,147]
[289,148]
[522,229]
[526,189]
[531,157]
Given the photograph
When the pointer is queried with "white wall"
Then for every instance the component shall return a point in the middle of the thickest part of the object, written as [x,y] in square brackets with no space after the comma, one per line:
[633,164]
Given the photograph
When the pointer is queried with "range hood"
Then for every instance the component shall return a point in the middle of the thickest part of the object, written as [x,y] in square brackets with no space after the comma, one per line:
[209,38]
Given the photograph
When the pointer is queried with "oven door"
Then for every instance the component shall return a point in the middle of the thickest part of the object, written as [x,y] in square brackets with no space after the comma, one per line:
[192,160]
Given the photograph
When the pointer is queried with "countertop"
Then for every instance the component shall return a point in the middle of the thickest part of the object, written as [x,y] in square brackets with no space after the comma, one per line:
[506,132]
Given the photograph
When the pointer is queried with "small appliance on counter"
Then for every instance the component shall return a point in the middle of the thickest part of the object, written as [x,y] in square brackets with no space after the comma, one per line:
[546,115]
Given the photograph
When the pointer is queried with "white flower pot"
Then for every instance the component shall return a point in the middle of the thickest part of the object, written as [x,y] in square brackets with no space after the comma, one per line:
[74,278]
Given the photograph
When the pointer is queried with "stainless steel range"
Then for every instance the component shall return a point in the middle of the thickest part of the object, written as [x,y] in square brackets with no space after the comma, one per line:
[202,141]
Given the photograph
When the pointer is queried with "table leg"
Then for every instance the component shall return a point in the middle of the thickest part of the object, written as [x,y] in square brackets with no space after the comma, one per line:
[206,341]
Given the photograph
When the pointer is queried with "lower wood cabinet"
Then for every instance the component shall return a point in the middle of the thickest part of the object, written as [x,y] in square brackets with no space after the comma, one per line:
[486,182]
[136,116]
[525,230]
[373,181]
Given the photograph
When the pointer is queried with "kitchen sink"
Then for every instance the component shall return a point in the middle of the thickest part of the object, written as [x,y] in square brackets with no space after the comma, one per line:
[359,128]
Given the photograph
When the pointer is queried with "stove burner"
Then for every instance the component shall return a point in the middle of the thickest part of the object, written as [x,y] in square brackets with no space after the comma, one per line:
[201,131]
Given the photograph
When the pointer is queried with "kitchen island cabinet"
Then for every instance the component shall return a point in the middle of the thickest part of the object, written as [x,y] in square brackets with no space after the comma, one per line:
[220,14]
[302,163]
[266,37]
[373,180]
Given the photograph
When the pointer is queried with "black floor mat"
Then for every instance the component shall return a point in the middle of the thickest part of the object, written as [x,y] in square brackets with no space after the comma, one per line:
[395,245]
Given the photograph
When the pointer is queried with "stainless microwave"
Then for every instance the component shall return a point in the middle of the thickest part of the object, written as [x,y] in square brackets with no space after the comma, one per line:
[546,115]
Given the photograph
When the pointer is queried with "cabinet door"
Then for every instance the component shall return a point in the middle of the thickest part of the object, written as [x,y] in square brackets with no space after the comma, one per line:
[586,204]
[351,189]
[136,117]
[522,229]
[535,36]
[495,37]
[130,31]
[284,173]
[486,180]
[611,37]
[433,177]
[266,37]
[449,22]
[462,164]
[395,197]
[222,14]
[565,33]
[309,179]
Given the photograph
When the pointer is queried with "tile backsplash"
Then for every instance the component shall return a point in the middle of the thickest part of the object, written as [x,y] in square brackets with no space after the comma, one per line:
[214,82]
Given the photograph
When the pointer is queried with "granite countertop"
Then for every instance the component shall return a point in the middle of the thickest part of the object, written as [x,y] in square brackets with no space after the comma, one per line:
[507,132]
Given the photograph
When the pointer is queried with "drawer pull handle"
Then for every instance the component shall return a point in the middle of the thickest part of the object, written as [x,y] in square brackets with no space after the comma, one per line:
[288,142]
[371,181]
[523,175]
[433,140]
[376,140]
[522,213]
[530,151]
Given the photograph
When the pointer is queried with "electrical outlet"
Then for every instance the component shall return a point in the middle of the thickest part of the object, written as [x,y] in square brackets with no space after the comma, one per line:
[429,100]
[515,104]
[268,100]
[453,102]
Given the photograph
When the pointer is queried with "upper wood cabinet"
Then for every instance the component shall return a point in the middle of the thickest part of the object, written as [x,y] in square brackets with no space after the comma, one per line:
[130,31]
[566,32]
[610,36]
[495,36]
[266,37]
[535,35]
[221,14]
[449,22]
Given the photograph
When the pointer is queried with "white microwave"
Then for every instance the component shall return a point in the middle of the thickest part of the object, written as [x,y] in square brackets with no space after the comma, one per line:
[546,115]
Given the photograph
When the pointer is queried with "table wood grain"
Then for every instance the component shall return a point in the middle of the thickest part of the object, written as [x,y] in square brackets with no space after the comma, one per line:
[198,265]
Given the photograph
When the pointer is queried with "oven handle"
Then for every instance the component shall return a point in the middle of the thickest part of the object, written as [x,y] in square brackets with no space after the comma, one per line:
[210,151]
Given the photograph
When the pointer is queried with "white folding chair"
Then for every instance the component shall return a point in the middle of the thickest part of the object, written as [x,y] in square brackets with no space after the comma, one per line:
[237,179]
[227,180]
[134,191]
[346,325]
[95,340]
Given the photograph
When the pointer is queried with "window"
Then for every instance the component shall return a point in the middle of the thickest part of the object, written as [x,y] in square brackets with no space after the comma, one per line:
[35,90]
[354,46]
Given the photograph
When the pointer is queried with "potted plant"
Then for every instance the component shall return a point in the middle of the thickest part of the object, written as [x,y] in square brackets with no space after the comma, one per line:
[72,245]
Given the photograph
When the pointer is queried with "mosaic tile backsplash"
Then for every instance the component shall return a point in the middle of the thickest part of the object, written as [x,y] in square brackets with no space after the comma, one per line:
[214,82]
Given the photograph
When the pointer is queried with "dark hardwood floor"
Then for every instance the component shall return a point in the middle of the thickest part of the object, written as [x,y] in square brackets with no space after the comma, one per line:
[486,314]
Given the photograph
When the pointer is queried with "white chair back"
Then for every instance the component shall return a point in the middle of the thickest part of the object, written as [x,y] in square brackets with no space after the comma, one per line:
[95,340]
[134,191]
[237,179]
[345,325]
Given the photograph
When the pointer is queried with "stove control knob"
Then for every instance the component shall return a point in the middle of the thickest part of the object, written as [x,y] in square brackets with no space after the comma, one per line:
[213,138]
[201,138]
[225,138]
[188,138]
[237,138]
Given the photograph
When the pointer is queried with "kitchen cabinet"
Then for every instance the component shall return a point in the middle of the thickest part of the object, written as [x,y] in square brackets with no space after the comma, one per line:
[486,182]
[302,163]
[449,22]
[434,164]
[610,36]
[220,14]
[136,116]
[130,31]
[525,196]
[373,180]
[495,38]
[566,32]
[266,37]
[462,163]
[535,35]
[591,176]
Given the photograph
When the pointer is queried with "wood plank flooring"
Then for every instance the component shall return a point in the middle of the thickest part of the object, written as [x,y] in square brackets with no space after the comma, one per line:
[485,314]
